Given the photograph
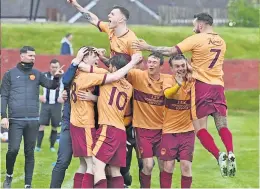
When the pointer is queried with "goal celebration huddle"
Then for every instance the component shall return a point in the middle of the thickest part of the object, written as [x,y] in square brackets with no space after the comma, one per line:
[110,111]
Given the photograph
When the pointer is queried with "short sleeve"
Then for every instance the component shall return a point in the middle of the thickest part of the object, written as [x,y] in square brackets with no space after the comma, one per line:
[97,70]
[133,75]
[187,44]
[103,26]
[91,79]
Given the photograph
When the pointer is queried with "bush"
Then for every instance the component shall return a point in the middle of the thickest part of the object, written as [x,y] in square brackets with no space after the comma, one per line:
[243,13]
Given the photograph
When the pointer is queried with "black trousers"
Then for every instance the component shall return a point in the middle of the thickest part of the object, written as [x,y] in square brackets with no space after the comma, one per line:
[29,131]
[64,159]
[125,171]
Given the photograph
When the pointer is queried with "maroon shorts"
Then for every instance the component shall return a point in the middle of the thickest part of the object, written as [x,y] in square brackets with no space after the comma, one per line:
[110,146]
[82,140]
[207,99]
[148,142]
[178,146]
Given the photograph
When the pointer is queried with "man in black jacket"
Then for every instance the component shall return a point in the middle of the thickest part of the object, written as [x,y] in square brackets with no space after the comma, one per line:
[20,93]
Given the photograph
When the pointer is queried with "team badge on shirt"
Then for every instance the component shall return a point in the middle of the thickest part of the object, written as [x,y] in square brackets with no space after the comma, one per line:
[32,77]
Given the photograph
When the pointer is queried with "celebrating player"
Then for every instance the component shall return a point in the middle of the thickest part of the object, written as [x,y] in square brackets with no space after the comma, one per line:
[82,112]
[208,98]
[110,147]
[178,133]
[148,113]
[120,36]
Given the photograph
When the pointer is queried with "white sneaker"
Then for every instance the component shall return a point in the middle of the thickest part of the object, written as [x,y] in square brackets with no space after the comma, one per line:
[222,162]
[231,166]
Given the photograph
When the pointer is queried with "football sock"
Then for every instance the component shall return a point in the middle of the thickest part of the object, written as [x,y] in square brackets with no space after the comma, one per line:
[78,177]
[208,142]
[53,138]
[226,137]
[117,182]
[186,182]
[39,139]
[165,179]
[145,180]
[88,181]
[101,184]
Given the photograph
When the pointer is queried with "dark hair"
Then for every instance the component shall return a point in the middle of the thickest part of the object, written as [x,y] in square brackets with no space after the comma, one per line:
[159,56]
[54,61]
[177,57]
[123,10]
[119,61]
[67,35]
[25,49]
[89,50]
[204,17]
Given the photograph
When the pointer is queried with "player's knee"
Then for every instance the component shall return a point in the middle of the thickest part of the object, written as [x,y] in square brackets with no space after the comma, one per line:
[115,171]
[186,168]
[168,166]
[13,151]
[29,154]
[148,167]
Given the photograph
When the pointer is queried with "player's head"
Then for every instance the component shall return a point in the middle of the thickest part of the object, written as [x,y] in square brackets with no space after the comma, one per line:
[179,64]
[54,66]
[154,63]
[27,54]
[69,36]
[91,56]
[118,15]
[117,62]
[202,21]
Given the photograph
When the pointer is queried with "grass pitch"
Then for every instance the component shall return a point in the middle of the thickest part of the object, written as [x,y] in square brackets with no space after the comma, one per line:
[242,43]
[206,174]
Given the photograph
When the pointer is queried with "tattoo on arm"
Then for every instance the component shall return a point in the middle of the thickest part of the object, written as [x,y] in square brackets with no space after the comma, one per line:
[87,16]
[166,51]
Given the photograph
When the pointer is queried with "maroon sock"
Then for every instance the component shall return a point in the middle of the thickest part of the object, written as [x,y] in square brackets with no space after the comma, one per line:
[226,137]
[101,184]
[88,181]
[208,142]
[165,179]
[78,177]
[117,182]
[186,182]
[145,180]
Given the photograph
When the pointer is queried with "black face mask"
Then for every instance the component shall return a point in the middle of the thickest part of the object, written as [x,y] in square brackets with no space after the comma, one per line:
[27,66]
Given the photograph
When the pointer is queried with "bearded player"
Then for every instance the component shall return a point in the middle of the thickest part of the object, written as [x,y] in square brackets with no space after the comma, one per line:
[208,98]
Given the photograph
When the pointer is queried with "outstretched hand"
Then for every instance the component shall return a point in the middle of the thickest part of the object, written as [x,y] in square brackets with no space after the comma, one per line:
[140,45]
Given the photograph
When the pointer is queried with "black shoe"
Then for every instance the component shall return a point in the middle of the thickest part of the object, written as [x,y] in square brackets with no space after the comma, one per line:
[27,186]
[8,182]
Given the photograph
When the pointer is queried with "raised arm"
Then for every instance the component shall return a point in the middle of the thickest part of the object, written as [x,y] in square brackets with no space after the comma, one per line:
[51,84]
[69,75]
[119,74]
[143,46]
[91,18]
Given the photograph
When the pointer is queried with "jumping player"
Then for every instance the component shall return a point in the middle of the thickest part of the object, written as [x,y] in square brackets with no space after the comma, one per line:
[208,98]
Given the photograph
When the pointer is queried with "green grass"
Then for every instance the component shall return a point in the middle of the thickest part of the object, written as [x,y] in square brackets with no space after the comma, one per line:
[205,169]
[242,43]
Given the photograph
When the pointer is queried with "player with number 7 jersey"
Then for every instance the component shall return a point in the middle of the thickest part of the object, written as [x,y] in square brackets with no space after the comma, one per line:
[207,96]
